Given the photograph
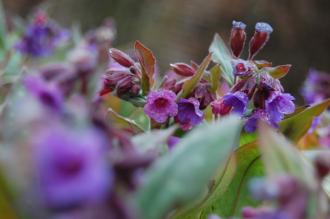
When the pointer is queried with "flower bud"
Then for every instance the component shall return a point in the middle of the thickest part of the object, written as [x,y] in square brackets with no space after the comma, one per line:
[203,94]
[237,38]
[322,165]
[219,107]
[183,69]
[121,57]
[127,87]
[260,38]
[242,68]
[40,18]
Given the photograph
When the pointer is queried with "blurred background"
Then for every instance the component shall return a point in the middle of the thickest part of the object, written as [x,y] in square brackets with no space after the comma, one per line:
[181,30]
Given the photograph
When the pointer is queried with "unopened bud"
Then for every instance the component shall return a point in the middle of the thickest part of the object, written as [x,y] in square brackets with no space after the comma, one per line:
[219,107]
[260,38]
[121,57]
[183,69]
[237,38]
[322,165]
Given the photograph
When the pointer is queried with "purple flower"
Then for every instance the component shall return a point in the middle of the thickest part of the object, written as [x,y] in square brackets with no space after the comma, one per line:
[161,105]
[279,104]
[47,93]
[189,113]
[41,37]
[172,141]
[252,122]
[71,168]
[316,87]
[238,101]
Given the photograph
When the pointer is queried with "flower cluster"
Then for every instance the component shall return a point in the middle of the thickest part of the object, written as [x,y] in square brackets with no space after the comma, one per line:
[316,88]
[41,37]
[116,138]
[257,93]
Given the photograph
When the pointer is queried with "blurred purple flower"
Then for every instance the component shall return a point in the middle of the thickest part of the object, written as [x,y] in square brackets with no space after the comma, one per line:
[161,105]
[41,37]
[252,122]
[71,168]
[47,93]
[316,86]
[238,101]
[189,113]
[84,58]
[172,141]
[279,104]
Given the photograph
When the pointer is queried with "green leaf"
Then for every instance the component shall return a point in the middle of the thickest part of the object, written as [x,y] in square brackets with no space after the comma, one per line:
[12,70]
[190,84]
[297,126]
[125,122]
[6,198]
[152,140]
[148,63]
[3,28]
[222,56]
[277,71]
[215,77]
[230,191]
[182,175]
[281,157]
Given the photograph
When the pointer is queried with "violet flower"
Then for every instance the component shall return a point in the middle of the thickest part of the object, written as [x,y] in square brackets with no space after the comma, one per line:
[238,101]
[161,105]
[47,93]
[189,113]
[279,104]
[71,169]
[41,37]
[252,122]
[316,86]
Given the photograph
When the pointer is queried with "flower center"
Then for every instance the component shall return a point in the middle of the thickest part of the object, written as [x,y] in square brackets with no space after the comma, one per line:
[161,102]
[70,166]
[240,67]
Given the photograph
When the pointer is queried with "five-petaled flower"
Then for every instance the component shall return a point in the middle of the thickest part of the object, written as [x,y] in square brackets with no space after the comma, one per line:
[161,105]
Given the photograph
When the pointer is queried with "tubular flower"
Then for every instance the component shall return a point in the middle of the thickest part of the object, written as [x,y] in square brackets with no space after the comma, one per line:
[237,101]
[71,169]
[189,113]
[41,37]
[161,105]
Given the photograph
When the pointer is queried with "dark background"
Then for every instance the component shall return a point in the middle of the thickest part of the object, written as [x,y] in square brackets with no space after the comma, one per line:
[180,30]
